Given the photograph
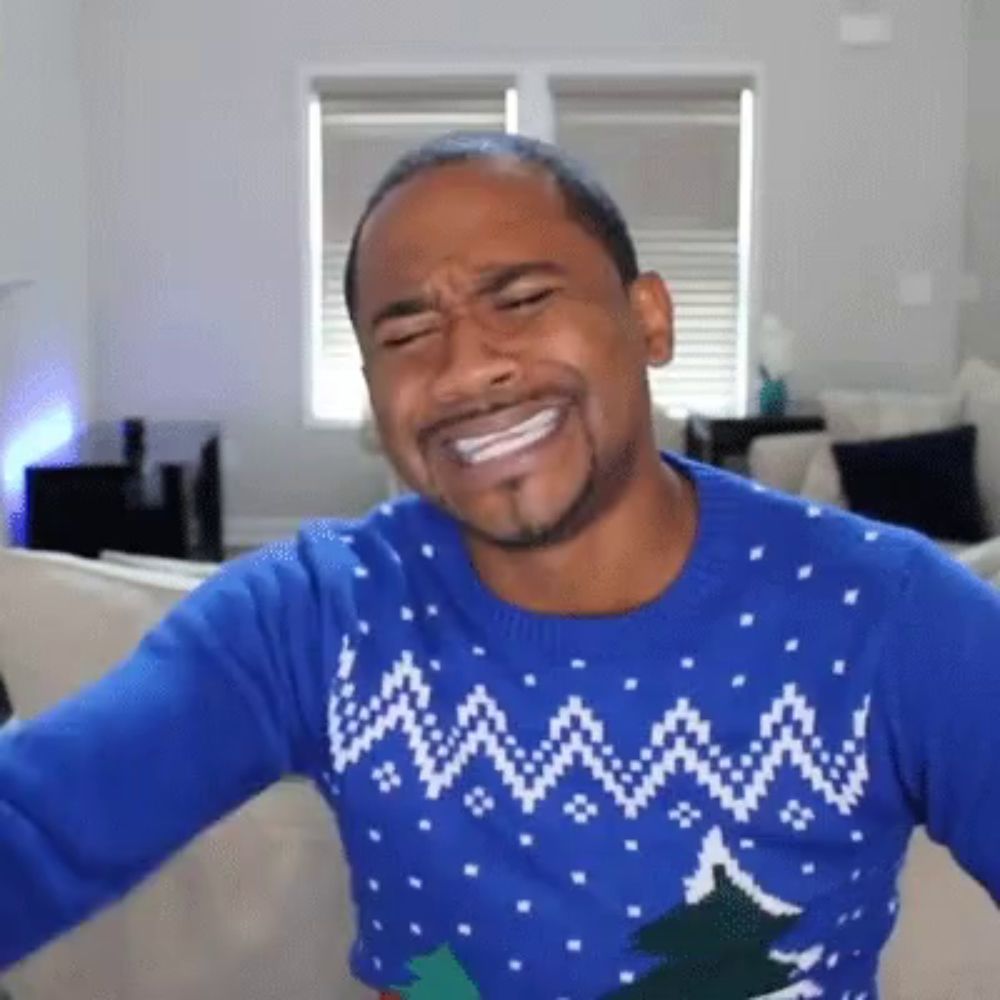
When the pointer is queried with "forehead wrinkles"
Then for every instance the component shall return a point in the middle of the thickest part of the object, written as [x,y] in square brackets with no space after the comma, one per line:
[446,281]
[434,256]
[450,268]
[450,280]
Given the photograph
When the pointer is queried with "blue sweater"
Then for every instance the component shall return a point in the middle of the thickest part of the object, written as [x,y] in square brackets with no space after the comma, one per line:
[709,796]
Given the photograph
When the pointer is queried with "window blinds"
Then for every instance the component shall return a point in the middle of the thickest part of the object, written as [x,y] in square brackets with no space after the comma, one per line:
[672,162]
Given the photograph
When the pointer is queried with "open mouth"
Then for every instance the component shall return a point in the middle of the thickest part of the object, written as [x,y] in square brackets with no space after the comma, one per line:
[475,450]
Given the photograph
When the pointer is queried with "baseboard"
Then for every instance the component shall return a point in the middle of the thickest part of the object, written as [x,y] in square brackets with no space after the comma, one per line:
[252,532]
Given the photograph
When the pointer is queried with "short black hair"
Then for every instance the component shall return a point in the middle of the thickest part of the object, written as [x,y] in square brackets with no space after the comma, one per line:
[587,201]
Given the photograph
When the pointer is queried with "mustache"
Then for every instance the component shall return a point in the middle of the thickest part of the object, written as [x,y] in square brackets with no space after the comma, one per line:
[457,416]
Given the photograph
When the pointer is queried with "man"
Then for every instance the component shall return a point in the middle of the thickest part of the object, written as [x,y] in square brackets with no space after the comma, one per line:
[595,721]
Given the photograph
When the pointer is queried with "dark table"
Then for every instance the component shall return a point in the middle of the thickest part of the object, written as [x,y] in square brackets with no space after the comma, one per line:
[715,439]
[135,486]
[6,709]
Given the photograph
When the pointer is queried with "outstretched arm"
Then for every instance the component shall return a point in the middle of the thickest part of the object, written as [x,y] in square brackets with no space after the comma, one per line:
[942,686]
[217,702]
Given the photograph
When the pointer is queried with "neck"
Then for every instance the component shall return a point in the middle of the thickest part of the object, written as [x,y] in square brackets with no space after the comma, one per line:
[629,555]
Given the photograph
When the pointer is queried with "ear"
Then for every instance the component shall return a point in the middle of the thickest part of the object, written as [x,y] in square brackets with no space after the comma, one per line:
[653,310]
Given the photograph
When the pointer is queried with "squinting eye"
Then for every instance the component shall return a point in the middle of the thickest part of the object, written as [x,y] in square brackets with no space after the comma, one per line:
[524,301]
[408,337]
[399,341]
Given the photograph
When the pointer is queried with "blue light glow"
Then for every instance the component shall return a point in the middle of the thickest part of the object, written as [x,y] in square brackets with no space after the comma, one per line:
[42,435]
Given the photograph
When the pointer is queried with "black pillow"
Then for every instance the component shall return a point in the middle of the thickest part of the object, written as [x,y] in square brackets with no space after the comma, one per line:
[924,481]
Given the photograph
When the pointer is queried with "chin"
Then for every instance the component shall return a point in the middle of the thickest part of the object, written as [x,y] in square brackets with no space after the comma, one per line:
[518,521]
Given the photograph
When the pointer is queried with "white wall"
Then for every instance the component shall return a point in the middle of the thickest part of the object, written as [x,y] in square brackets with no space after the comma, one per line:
[196,254]
[44,370]
[981,319]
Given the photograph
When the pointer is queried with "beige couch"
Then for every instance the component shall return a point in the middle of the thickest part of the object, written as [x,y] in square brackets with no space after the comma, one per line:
[257,907]
[804,464]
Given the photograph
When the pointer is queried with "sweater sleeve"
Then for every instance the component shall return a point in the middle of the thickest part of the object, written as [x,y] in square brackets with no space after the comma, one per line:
[218,701]
[942,679]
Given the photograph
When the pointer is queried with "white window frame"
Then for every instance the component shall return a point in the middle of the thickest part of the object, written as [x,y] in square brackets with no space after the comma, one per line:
[535,117]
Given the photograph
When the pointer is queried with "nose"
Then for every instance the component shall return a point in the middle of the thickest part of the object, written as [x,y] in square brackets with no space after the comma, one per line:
[471,364]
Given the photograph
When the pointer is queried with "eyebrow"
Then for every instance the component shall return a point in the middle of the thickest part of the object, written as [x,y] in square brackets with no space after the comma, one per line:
[401,308]
[491,281]
[496,279]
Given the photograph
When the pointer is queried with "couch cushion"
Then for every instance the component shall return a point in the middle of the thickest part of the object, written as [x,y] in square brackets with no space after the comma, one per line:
[781,460]
[160,564]
[257,907]
[860,416]
[66,620]
[979,385]
[822,480]
[983,559]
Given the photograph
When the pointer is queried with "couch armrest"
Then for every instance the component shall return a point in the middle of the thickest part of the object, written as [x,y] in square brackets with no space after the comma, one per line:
[258,906]
[781,460]
[945,943]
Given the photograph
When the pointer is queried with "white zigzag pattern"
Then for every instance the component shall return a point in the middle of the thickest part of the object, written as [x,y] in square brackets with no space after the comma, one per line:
[679,743]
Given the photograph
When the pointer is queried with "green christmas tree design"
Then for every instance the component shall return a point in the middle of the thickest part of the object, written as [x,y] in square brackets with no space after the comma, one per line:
[440,976]
[718,947]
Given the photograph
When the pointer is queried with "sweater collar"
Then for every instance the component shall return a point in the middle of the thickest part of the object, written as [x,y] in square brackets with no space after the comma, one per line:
[645,626]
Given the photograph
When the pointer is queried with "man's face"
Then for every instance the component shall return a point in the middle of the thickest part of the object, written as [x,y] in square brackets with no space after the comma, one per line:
[505,361]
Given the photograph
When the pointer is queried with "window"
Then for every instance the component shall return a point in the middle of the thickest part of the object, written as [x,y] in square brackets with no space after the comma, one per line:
[676,155]
[671,160]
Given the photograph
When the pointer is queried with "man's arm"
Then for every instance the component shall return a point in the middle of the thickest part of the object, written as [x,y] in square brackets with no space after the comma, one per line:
[942,688]
[217,702]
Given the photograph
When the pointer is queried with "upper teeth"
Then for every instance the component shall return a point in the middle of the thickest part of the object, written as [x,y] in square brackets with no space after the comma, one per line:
[485,446]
